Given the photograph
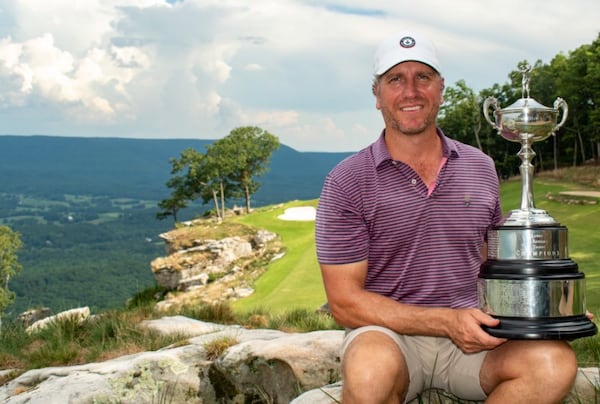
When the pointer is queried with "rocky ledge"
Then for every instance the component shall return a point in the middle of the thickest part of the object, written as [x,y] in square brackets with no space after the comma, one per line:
[212,364]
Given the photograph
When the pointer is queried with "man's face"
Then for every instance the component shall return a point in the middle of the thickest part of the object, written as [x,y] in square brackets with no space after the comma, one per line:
[409,96]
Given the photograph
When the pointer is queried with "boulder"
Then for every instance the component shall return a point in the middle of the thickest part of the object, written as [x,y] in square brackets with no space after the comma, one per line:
[254,366]
[80,314]
[278,369]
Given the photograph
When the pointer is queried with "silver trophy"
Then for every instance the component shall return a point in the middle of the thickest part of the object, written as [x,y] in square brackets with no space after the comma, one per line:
[528,281]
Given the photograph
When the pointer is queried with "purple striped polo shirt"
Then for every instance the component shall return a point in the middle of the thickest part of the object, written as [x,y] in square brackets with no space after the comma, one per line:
[421,249]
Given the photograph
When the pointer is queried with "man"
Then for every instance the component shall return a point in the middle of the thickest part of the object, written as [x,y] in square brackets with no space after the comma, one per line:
[400,232]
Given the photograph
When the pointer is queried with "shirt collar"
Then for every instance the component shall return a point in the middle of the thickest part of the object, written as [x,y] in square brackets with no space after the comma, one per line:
[381,153]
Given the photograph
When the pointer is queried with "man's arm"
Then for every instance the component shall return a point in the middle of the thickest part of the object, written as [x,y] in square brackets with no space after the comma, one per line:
[352,306]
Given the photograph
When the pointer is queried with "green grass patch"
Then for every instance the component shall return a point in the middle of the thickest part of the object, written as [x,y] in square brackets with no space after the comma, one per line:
[293,281]
[77,199]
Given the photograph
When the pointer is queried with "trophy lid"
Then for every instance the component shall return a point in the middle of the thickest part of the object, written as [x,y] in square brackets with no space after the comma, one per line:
[528,103]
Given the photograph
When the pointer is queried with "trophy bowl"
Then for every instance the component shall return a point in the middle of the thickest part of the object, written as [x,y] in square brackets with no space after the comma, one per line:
[526,117]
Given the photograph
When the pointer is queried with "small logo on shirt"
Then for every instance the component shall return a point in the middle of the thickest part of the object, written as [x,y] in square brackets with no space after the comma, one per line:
[467,200]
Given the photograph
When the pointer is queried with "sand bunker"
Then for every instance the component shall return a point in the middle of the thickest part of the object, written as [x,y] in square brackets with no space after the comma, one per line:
[301,213]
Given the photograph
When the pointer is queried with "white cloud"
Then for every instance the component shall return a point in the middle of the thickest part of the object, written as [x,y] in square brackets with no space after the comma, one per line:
[199,68]
[90,88]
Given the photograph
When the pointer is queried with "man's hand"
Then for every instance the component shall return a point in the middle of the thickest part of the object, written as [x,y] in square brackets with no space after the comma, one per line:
[466,332]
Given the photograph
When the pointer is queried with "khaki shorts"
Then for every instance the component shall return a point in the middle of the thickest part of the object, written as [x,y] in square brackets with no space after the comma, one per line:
[433,362]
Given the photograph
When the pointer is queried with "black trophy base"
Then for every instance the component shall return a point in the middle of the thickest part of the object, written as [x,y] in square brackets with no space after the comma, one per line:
[563,328]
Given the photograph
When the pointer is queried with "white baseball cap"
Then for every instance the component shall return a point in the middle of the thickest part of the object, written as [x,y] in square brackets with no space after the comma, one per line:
[403,47]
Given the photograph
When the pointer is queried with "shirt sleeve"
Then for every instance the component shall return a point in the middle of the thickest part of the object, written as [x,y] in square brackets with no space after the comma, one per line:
[341,234]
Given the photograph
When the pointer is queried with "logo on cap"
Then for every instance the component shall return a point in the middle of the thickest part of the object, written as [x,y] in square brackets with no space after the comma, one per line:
[407,42]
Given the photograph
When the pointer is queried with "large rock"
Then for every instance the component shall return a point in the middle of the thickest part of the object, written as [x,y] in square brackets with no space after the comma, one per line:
[31,316]
[279,369]
[264,365]
[193,266]
[78,315]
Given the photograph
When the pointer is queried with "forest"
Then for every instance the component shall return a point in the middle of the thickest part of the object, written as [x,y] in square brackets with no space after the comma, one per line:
[86,208]
[573,77]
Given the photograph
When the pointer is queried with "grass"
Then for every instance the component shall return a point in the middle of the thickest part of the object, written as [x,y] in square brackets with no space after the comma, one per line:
[69,342]
[294,281]
[117,333]
[217,347]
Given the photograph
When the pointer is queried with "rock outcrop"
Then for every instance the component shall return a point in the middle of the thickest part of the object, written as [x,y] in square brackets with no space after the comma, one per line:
[31,316]
[212,364]
[205,260]
[205,270]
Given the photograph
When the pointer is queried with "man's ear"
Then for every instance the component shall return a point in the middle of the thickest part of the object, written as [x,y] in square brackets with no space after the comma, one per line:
[375,90]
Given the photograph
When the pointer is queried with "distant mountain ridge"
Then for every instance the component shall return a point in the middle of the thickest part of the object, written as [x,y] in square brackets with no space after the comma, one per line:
[139,168]
[86,211]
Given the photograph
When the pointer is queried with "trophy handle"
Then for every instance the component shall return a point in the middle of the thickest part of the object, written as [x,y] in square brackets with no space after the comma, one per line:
[486,106]
[562,104]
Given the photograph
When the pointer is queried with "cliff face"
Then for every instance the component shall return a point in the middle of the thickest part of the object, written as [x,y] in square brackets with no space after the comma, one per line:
[200,268]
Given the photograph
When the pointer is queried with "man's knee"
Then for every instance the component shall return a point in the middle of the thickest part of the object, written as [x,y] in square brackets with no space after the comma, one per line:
[542,367]
[374,369]
[553,368]
[556,360]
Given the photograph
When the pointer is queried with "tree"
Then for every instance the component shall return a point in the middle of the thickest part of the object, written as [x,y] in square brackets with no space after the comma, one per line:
[242,156]
[593,84]
[460,114]
[179,195]
[216,184]
[578,82]
[10,243]
[195,175]
[228,169]
[177,200]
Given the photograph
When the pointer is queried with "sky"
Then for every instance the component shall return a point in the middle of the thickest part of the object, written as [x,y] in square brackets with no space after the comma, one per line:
[300,69]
